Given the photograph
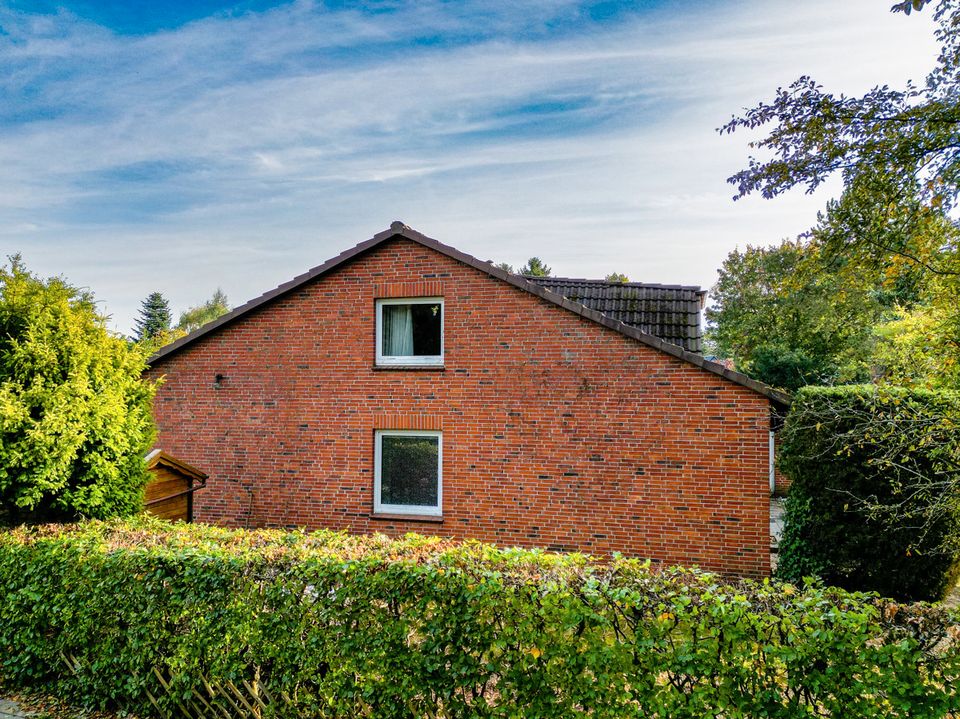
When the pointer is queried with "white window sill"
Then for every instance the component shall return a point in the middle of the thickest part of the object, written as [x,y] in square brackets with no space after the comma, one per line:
[407,367]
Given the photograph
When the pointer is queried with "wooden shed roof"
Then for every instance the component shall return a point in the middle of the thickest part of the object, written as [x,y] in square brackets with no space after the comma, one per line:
[159,458]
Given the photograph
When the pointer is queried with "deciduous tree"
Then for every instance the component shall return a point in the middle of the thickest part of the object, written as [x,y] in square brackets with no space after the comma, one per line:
[905,6]
[896,150]
[787,322]
[535,267]
[196,317]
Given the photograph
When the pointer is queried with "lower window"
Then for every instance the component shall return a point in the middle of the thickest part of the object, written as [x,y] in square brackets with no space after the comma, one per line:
[407,472]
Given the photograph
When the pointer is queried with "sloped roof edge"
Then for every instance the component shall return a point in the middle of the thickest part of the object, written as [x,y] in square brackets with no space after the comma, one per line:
[398,229]
[159,457]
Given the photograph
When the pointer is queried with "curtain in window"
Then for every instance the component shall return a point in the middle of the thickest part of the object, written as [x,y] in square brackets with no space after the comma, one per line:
[397,331]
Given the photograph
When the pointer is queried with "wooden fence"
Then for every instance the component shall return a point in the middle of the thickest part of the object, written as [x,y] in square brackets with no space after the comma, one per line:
[215,700]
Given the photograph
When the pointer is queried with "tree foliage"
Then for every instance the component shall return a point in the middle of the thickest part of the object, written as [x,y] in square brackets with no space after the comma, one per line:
[789,369]
[75,417]
[195,317]
[535,267]
[906,6]
[896,150]
[154,318]
[191,319]
[787,322]
[902,140]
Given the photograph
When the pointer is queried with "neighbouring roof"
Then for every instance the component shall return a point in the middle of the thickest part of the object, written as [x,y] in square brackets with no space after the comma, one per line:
[401,231]
[670,312]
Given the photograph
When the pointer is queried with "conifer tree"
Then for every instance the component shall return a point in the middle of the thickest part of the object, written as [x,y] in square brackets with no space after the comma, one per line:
[154,317]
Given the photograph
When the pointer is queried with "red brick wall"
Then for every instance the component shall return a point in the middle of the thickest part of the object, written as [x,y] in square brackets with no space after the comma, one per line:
[781,481]
[557,432]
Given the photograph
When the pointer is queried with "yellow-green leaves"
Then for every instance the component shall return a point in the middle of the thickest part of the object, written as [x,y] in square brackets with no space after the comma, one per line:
[75,417]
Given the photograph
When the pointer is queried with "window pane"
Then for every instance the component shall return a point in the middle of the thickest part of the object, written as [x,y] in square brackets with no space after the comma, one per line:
[397,331]
[412,330]
[408,470]
[426,329]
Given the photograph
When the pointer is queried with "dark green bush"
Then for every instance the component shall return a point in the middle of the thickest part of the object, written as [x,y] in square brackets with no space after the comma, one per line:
[344,626]
[789,369]
[875,475]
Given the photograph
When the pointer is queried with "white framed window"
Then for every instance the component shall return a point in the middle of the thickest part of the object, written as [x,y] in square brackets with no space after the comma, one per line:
[408,472]
[410,331]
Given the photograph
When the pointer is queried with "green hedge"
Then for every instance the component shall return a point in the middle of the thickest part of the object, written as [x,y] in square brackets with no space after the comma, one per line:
[873,502]
[365,626]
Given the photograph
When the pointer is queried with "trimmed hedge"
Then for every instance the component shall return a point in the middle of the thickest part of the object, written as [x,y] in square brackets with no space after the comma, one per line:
[875,476]
[365,626]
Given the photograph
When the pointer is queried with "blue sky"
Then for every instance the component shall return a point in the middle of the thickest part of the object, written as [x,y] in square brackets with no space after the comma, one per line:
[186,146]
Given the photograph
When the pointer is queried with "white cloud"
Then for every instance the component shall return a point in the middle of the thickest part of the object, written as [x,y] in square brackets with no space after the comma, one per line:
[238,151]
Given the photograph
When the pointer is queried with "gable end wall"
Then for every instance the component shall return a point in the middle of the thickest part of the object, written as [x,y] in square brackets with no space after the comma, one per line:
[557,432]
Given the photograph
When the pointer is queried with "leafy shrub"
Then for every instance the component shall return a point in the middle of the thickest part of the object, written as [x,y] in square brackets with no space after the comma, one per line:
[788,369]
[875,478]
[344,626]
[75,416]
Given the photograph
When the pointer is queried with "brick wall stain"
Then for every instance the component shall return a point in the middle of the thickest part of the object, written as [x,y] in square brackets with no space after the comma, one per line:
[557,432]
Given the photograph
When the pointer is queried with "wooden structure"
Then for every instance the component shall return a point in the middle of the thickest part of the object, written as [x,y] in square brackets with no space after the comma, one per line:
[169,493]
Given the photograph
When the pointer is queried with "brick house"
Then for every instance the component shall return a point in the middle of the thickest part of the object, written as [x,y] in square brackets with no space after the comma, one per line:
[406,386]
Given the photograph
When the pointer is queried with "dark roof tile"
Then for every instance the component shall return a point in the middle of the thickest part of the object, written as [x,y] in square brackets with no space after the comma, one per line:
[670,312]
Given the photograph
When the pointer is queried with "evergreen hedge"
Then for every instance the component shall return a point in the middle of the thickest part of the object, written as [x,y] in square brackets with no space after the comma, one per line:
[875,482]
[366,626]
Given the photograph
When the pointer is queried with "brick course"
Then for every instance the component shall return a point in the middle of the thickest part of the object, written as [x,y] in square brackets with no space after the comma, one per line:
[557,432]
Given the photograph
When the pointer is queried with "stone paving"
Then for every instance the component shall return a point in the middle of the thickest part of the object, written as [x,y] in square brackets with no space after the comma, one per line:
[776,520]
[11,710]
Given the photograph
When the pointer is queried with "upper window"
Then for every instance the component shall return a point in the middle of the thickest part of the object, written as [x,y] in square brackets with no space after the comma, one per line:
[407,472]
[410,332]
